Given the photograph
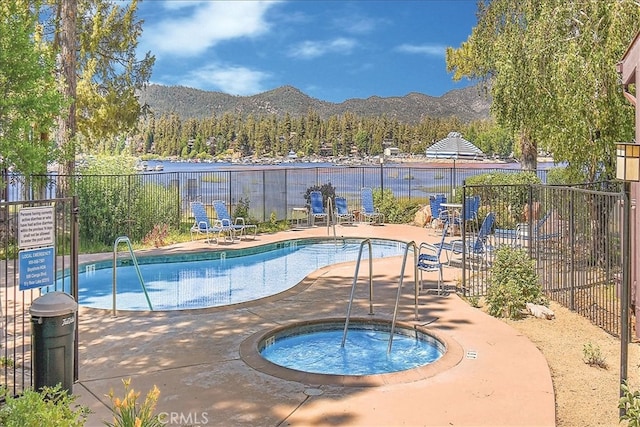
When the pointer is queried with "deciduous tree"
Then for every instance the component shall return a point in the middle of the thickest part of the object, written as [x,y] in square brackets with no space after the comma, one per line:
[97,41]
[29,98]
[550,68]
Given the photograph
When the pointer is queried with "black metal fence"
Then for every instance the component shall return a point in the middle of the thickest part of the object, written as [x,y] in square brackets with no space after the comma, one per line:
[114,205]
[573,234]
[16,293]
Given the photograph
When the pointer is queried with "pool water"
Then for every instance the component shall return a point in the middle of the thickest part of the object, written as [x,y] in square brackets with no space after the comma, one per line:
[364,352]
[217,278]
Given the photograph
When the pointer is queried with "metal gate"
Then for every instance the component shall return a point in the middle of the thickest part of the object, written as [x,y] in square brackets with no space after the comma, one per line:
[575,237]
[46,227]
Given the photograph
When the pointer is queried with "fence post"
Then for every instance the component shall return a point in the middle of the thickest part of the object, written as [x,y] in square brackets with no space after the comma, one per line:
[74,250]
[572,259]
[230,183]
[463,234]
[626,287]
[532,241]
[264,196]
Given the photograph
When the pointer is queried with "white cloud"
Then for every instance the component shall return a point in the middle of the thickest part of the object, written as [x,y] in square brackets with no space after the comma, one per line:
[197,26]
[425,49]
[234,80]
[182,4]
[313,49]
[356,23]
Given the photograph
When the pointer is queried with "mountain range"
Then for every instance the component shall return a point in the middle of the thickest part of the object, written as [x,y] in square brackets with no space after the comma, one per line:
[467,104]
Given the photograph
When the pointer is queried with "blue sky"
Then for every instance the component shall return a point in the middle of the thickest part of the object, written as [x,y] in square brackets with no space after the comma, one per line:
[332,50]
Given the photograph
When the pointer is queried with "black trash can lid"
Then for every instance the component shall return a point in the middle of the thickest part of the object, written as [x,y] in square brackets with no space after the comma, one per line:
[53,304]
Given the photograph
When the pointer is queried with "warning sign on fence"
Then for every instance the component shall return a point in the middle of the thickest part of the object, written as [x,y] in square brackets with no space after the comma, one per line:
[35,227]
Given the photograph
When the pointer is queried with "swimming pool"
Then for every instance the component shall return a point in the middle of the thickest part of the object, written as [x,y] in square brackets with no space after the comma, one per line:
[218,278]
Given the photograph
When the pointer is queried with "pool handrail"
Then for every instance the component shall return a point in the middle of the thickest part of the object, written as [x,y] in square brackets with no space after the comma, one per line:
[411,244]
[353,287]
[125,239]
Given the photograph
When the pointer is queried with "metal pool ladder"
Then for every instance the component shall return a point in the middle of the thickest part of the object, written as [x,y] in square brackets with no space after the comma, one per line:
[125,239]
[409,245]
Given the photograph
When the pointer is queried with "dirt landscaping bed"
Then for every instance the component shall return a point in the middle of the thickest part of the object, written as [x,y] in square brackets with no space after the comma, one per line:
[585,395]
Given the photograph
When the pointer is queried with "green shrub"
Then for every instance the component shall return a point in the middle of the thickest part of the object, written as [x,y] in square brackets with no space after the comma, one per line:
[396,211]
[503,178]
[505,191]
[7,362]
[327,191]
[565,176]
[592,356]
[514,283]
[474,301]
[114,202]
[103,199]
[242,209]
[630,403]
[151,204]
[52,406]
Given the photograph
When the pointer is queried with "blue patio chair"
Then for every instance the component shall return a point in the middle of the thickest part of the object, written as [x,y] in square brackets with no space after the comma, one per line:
[343,216]
[476,247]
[239,226]
[543,230]
[317,207]
[202,224]
[470,212]
[429,259]
[439,215]
[368,211]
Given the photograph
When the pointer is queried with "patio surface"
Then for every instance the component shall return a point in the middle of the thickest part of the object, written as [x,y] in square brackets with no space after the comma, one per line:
[492,375]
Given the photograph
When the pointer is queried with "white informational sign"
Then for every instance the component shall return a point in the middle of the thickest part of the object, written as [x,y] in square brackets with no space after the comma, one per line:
[36,268]
[35,227]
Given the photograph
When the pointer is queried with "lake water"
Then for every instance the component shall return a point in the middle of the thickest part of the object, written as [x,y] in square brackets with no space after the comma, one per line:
[184,166]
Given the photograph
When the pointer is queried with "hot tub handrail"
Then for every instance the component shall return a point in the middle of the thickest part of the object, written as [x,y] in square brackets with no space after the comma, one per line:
[353,286]
[125,239]
[411,244]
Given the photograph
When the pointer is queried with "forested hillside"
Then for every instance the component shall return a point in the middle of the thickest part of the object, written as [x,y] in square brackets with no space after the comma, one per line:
[190,123]
[465,104]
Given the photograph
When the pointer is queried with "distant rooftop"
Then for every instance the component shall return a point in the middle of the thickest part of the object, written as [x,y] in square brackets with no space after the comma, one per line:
[454,146]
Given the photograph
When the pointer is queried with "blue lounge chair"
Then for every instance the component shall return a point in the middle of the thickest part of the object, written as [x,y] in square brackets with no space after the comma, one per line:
[202,224]
[429,259]
[342,211]
[317,207]
[476,247]
[368,211]
[239,226]
[542,230]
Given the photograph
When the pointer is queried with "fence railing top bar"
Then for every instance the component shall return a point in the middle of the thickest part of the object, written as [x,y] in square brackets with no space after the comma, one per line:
[46,202]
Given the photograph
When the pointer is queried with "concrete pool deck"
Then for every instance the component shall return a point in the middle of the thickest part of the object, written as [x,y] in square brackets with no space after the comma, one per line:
[497,377]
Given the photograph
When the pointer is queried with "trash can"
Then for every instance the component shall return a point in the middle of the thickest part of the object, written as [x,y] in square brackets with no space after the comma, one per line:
[53,323]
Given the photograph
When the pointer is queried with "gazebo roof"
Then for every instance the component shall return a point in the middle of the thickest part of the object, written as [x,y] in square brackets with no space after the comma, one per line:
[454,146]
